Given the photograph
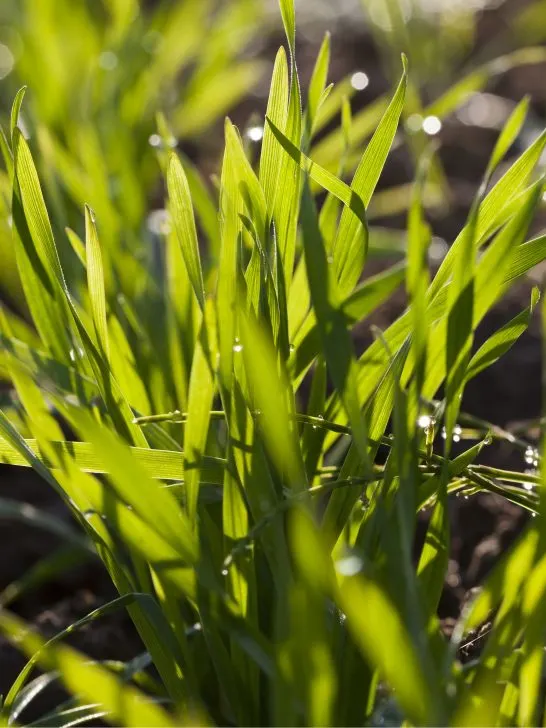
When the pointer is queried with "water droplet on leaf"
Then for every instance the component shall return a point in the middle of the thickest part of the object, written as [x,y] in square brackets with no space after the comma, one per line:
[350,565]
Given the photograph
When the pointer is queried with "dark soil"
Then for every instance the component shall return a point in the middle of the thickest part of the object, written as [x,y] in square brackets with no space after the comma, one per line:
[510,391]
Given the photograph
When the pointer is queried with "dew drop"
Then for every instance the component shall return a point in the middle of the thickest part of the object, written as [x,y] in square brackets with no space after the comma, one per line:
[224,572]
[457,432]
[431,125]
[360,80]
[76,353]
[425,422]
[151,41]
[155,140]
[437,249]
[528,486]
[159,222]
[414,123]
[531,456]
[350,565]
[108,61]
[255,133]
[237,346]
[292,348]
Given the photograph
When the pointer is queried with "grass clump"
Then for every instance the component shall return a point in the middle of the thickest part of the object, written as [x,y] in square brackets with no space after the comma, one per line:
[224,459]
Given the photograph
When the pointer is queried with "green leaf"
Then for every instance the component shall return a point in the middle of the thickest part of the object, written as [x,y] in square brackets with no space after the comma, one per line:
[277,111]
[7,154]
[226,295]
[379,631]
[289,21]
[272,401]
[508,135]
[156,506]
[126,705]
[159,464]
[201,393]
[15,110]
[184,223]
[326,179]
[532,659]
[350,248]
[33,201]
[502,340]
[313,666]
[498,200]
[95,282]
[335,339]
[77,245]
[360,303]
[317,85]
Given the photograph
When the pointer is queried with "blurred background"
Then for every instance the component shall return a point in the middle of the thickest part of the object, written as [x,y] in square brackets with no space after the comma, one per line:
[112,84]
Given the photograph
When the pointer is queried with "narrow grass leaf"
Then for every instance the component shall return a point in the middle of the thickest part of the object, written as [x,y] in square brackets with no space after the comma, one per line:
[201,393]
[77,245]
[159,464]
[508,135]
[335,340]
[317,85]
[272,401]
[15,111]
[181,208]
[502,340]
[289,21]
[277,111]
[373,292]
[95,282]
[351,244]
[125,704]
[380,633]
[326,179]
[156,506]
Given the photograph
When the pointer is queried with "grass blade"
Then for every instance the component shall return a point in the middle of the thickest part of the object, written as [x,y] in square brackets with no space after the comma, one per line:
[184,223]
[95,282]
